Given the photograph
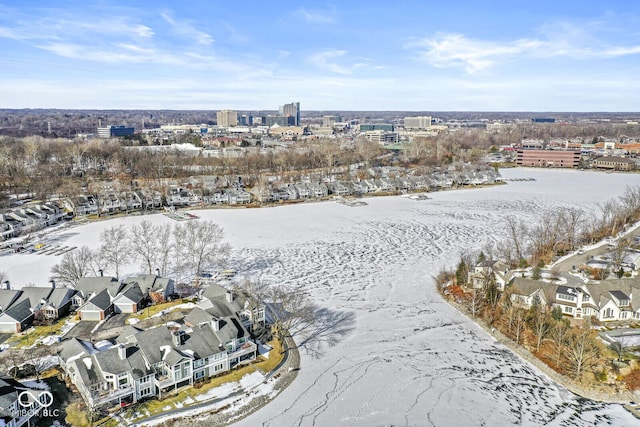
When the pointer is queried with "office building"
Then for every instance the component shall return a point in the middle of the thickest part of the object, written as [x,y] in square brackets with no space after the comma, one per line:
[114,131]
[227,118]
[366,127]
[291,110]
[330,121]
[548,158]
[419,122]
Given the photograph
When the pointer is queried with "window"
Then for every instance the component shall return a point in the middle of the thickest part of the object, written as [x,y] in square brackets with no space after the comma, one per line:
[123,380]
[199,374]
[198,363]
[145,391]
[608,313]
[585,297]
[568,309]
[566,297]
[218,367]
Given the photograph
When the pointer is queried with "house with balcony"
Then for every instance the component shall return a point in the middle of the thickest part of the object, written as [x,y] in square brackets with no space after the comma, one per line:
[17,412]
[147,363]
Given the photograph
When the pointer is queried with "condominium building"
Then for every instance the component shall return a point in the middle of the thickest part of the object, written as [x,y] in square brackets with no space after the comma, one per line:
[227,118]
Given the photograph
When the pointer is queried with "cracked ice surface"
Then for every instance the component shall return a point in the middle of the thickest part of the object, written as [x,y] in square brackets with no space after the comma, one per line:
[391,351]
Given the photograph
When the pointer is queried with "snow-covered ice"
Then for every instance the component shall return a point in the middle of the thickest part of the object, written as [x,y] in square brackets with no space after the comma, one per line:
[390,350]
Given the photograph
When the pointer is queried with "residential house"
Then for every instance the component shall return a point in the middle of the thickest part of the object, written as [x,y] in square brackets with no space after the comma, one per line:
[87,287]
[158,289]
[526,293]
[57,304]
[485,272]
[14,411]
[16,318]
[8,297]
[97,307]
[129,300]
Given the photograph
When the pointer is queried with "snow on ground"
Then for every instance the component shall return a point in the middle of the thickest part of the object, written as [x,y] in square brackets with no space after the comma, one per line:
[390,350]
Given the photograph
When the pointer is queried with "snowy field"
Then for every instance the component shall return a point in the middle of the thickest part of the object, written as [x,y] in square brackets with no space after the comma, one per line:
[390,350]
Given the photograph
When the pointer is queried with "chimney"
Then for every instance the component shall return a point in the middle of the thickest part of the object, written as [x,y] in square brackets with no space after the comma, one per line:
[122,351]
[7,285]
[53,283]
[101,273]
[215,324]
[229,296]
[177,339]
[158,272]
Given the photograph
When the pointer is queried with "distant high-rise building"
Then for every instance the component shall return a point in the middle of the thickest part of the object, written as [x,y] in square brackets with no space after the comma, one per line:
[291,110]
[283,121]
[419,122]
[330,121]
[227,118]
[245,120]
[114,131]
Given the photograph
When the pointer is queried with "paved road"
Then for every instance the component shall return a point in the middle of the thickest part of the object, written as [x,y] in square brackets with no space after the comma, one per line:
[567,264]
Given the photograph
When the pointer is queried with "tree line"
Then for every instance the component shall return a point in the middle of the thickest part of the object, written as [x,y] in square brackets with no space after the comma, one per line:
[570,350]
[171,250]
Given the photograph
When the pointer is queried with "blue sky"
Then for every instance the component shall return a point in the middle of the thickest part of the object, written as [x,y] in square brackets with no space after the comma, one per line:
[374,55]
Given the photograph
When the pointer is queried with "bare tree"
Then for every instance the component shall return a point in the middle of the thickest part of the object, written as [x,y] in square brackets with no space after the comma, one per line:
[144,244]
[539,321]
[165,247]
[582,349]
[289,311]
[519,324]
[73,266]
[203,244]
[114,247]
[517,232]
[558,334]
[40,357]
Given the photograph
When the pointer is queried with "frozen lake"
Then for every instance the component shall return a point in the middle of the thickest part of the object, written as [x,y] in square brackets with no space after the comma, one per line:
[392,352]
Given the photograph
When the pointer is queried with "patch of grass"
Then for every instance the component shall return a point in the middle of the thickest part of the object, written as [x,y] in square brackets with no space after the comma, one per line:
[31,336]
[275,356]
[154,309]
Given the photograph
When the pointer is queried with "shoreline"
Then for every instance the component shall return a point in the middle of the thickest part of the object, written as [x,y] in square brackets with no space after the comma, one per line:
[620,397]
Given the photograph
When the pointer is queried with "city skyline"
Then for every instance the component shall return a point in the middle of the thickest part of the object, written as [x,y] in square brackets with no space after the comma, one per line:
[405,56]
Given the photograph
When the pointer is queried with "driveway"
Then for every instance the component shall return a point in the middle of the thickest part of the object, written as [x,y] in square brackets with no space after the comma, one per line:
[82,330]
[115,321]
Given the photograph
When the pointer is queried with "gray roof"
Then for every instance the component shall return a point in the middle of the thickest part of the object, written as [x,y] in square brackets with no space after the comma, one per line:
[75,347]
[8,297]
[8,395]
[198,316]
[152,283]
[128,334]
[19,311]
[109,361]
[102,300]
[619,295]
[230,328]
[35,295]
[61,296]
[133,292]
[151,340]
[93,285]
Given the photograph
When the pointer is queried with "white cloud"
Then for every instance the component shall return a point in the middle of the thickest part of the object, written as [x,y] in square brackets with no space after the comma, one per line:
[334,60]
[317,16]
[187,29]
[446,50]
